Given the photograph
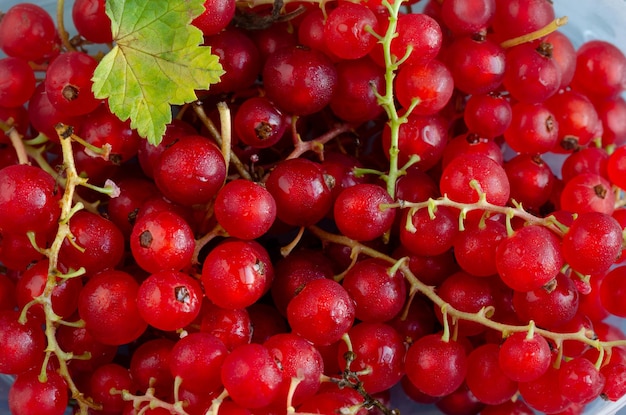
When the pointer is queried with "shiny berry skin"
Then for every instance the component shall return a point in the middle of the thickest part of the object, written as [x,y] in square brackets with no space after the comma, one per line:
[215,17]
[378,347]
[27,31]
[378,295]
[306,87]
[431,83]
[360,213]
[107,304]
[101,241]
[18,82]
[169,300]
[593,243]
[300,190]
[22,344]
[462,171]
[588,192]
[434,366]
[259,123]
[68,83]
[346,30]
[524,358]
[29,396]
[162,241]
[245,209]
[251,376]
[600,69]
[321,312]
[477,64]
[237,273]
[190,171]
[530,258]
[91,20]
[197,359]
[29,199]
[485,379]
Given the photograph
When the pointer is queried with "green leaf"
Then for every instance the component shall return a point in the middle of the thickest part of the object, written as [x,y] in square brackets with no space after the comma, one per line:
[157,61]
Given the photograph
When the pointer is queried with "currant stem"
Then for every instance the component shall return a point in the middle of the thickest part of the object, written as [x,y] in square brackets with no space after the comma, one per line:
[537,34]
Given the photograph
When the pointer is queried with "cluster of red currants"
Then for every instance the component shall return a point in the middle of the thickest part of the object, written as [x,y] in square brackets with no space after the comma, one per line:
[378,212]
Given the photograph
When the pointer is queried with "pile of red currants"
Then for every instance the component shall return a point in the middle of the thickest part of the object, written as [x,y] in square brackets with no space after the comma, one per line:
[367,200]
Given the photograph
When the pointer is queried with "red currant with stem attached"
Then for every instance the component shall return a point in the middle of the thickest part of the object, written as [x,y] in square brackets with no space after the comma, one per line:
[300,190]
[593,243]
[466,293]
[551,306]
[514,18]
[420,32]
[459,175]
[251,376]
[378,294]
[305,89]
[429,235]
[107,304]
[531,75]
[321,312]
[531,179]
[68,83]
[237,273]
[475,247]
[100,244]
[123,209]
[169,300]
[360,212]
[78,341]
[162,241]
[435,366]
[27,31]
[44,116]
[22,344]
[346,31]
[190,171]
[380,353]
[29,199]
[149,366]
[297,358]
[32,282]
[430,83]
[51,395]
[358,82]
[148,154]
[245,209]
[421,135]
[106,378]
[580,381]
[524,357]
[101,127]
